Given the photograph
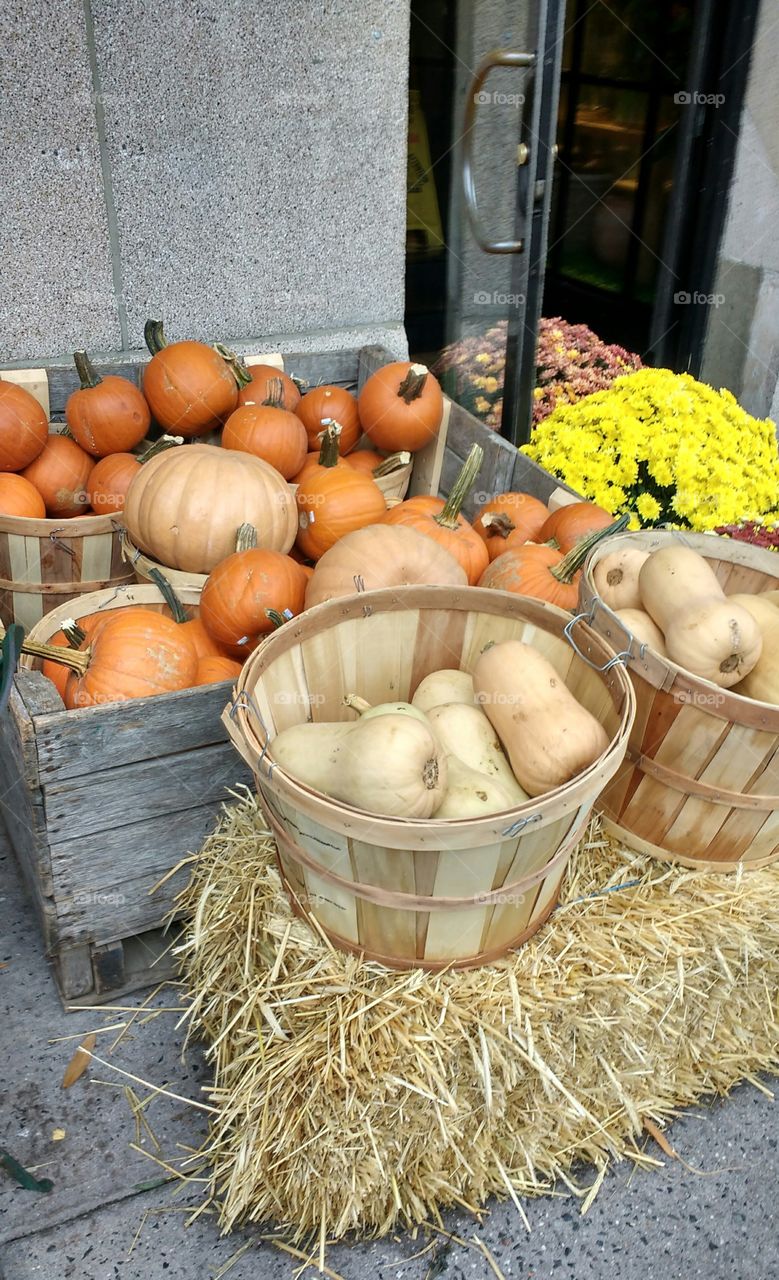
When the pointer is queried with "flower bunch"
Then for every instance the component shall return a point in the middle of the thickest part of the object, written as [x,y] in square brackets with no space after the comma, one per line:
[760,533]
[665,447]
[571,362]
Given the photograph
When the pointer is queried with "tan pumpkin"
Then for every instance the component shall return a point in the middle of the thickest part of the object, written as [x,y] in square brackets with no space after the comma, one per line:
[616,578]
[185,506]
[762,682]
[381,556]
[548,736]
[705,633]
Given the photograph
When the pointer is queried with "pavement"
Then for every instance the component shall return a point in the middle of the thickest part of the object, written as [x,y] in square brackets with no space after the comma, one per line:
[108,1218]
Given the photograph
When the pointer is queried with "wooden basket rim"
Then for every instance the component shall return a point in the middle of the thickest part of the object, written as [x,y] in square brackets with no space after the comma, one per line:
[661,672]
[140,563]
[118,597]
[72,527]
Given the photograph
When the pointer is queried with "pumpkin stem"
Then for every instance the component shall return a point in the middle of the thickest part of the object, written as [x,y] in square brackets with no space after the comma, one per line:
[413,384]
[86,370]
[276,618]
[450,516]
[246,538]
[357,703]
[497,523]
[394,462]
[301,384]
[571,563]
[275,397]
[77,660]
[159,446]
[154,336]
[168,595]
[328,451]
[237,364]
[73,633]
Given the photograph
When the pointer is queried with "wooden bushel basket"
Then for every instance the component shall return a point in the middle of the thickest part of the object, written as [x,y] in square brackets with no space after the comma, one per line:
[414,893]
[700,782]
[47,563]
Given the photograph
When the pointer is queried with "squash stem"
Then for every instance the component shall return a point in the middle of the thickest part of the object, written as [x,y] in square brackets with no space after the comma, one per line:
[570,564]
[154,336]
[238,366]
[159,446]
[87,372]
[246,538]
[413,384]
[395,462]
[76,659]
[168,595]
[357,703]
[450,516]
[328,450]
[497,524]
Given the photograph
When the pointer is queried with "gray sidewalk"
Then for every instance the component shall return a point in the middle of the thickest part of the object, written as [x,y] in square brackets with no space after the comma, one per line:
[101,1223]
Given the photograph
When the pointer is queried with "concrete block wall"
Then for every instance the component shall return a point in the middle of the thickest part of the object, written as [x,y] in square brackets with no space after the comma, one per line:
[742,343]
[236,167]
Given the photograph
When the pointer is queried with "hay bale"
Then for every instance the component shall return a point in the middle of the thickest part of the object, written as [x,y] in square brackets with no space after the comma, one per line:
[352,1098]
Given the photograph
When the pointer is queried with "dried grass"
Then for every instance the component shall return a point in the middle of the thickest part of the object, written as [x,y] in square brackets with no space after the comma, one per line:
[350,1098]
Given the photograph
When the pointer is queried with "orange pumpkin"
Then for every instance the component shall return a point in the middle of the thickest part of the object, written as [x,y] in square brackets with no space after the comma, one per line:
[365,460]
[330,403]
[24,428]
[270,433]
[257,385]
[510,519]
[442,520]
[543,572]
[568,525]
[20,498]
[243,590]
[189,387]
[109,480]
[77,639]
[326,457]
[136,653]
[106,415]
[61,474]
[214,670]
[401,406]
[333,501]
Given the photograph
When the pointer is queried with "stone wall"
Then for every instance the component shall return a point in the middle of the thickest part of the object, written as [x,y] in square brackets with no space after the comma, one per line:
[742,344]
[236,168]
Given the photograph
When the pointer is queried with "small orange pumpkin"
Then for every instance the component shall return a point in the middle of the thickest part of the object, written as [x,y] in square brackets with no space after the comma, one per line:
[241,593]
[24,427]
[326,457]
[213,670]
[106,415]
[568,525]
[443,522]
[256,385]
[333,501]
[543,572]
[365,460]
[330,403]
[18,497]
[61,474]
[508,520]
[401,406]
[75,637]
[270,433]
[189,386]
[109,480]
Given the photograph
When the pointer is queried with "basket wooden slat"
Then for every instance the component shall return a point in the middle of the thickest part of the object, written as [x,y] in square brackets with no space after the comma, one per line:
[700,782]
[411,892]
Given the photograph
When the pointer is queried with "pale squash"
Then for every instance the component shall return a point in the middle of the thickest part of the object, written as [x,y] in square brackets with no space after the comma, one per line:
[442,687]
[772,596]
[642,628]
[389,765]
[705,633]
[762,682]
[548,736]
[616,578]
[466,732]
[470,794]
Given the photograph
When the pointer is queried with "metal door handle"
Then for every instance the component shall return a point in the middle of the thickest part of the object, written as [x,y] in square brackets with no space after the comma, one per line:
[496,58]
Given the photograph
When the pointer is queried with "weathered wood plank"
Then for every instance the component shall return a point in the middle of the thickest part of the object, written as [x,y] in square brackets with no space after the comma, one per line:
[162,786]
[528,477]
[21,805]
[147,961]
[73,971]
[121,733]
[370,359]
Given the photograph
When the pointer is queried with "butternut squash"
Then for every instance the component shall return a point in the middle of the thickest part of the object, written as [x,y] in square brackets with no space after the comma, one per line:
[616,578]
[641,626]
[772,596]
[467,735]
[442,687]
[762,682]
[548,735]
[705,632]
[388,764]
[470,794]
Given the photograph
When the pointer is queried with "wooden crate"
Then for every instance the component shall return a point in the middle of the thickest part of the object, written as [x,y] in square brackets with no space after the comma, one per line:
[101,804]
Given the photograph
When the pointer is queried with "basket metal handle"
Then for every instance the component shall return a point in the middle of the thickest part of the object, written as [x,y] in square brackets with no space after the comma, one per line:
[622,657]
